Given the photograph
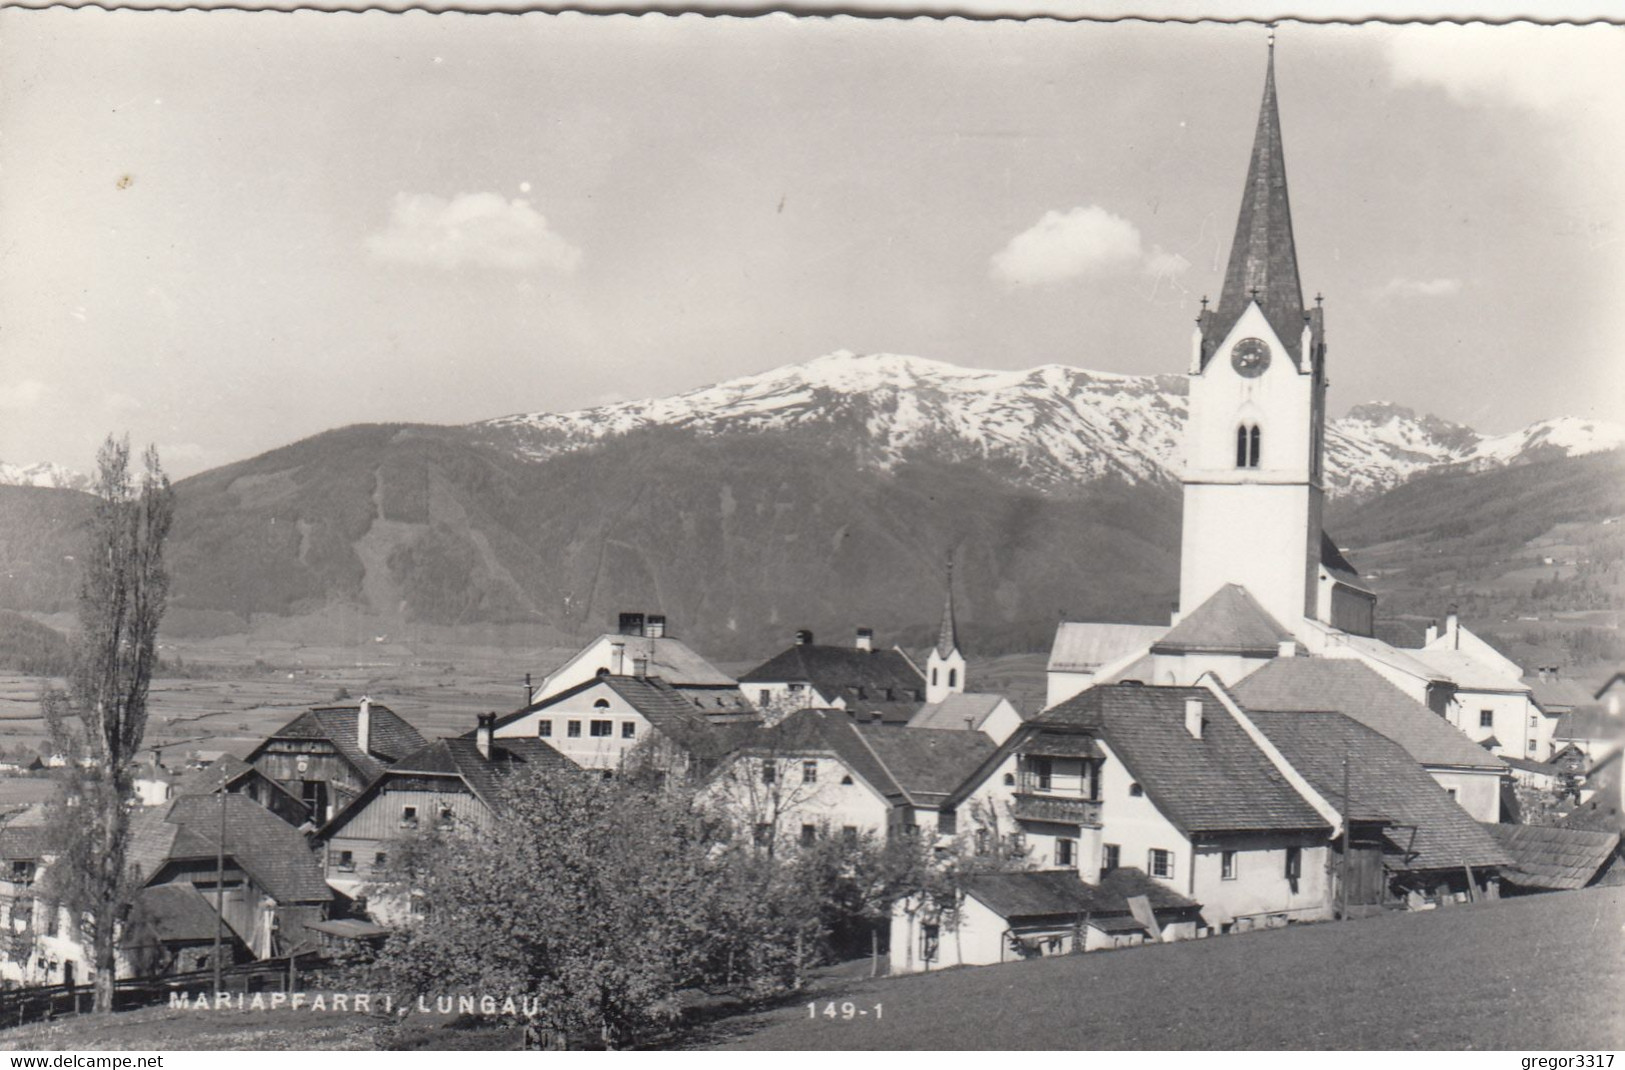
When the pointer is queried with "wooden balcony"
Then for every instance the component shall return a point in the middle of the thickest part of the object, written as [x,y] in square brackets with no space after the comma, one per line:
[1060,809]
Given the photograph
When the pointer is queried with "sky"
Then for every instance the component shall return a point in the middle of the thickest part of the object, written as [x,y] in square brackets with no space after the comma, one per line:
[222,232]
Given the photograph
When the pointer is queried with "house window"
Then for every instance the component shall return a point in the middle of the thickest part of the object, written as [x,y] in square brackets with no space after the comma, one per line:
[947,822]
[601,704]
[930,940]
[1111,856]
[1161,863]
[1135,790]
[847,780]
[764,697]
[629,730]
[1532,747]
[809,835]
[544,728]
[346,861]
[1227,865]
[409,817]
[21,872]
[380,859]
[573,729]
[983,843]
[809,771]
[1534,720]
[1044,770]
[1294,863]
[849,834]
[1450,792]
[1066,852]
[1486,718]
[764,834]
[600,729]
[770,773]
[446,817]
[1009,780]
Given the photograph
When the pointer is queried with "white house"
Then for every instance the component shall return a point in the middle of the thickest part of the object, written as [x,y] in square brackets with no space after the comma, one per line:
[641,647]
[992,715]
[876,685]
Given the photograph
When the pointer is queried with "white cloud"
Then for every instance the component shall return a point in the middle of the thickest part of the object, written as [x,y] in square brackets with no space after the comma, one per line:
[1399,286]
[1087,240]
[23,394]
[476,229]
[1545,69]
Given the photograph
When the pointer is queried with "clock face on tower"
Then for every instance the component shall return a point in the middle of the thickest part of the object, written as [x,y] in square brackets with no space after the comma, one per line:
[1250,357]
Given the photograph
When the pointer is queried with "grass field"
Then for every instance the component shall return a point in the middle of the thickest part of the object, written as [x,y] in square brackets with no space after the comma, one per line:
[1545,972]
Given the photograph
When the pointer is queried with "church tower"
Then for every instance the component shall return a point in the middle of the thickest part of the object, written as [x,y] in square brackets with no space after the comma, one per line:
[1254,436]
[945,668]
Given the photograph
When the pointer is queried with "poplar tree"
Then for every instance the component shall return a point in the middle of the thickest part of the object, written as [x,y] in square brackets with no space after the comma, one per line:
[101,719]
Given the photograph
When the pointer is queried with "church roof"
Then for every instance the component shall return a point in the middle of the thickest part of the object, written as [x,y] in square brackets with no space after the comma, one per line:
[1086,646]
[1230,622]
[1263,259]
[948,633]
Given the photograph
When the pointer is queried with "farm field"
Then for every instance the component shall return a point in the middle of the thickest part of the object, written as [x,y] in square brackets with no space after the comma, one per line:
[1542,972]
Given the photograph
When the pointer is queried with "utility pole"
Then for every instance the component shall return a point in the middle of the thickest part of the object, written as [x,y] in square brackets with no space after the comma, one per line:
[220,890]
[1348,840]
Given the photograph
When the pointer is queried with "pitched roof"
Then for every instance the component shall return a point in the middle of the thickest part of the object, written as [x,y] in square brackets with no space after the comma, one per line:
[1384,783]
[391,738]
[1590,722]
[1466,671]
[460,757]
[1333,561]
[1555,694]
[176,913]
[1558,858]
[925,764]
[1230,622]
[822,732]
[1062,893]
[1356,689]
[958,712]
[948,631]
[274,853]
[1529,765]
[223,772]
[831,669]
[1219,783]
[670,659]
[1263,259]
[675,716]
[1377,650]
[1086,646]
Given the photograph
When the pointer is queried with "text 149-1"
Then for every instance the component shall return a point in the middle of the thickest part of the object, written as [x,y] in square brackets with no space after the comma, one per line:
[845,1012]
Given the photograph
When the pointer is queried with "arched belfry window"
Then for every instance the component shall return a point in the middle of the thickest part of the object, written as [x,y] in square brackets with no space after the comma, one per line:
[1248,445]
[953,677]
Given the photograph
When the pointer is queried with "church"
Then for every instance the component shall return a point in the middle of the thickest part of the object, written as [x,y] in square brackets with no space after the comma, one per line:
[1262,584]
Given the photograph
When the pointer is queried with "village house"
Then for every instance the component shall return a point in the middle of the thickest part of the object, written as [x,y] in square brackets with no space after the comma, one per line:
[273,882]
[872,685]
[1420,846]
[327,755]
[1590,732]
[992,715]
[1085,653]
[443,786]
[1468,773]
[642,646]
[232,774]
[33,948]
[1173,780]
[1005,917]
[819,772]
[600,721]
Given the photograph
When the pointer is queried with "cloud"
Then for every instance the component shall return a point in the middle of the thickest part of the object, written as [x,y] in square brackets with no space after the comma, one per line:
[1399,286]
[1087,240]
[474,229]
[1559,70]
[23,394]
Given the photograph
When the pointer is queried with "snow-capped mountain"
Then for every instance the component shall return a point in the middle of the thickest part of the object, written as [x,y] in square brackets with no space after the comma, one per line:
[1049,427]
[42,475]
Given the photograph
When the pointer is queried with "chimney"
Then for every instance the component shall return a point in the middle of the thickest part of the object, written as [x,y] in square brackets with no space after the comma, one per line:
[866,639]
[1288,648]
[1451,628]
[640,667]
[804,638]
[617,657]
[654,626]
[1431,636]
[1193,717]
[631,624]
[529,690]
[363,725]
[482,733]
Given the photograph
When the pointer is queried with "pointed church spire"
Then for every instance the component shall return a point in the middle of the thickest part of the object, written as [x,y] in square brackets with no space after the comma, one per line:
[1263,260]
[948,634]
